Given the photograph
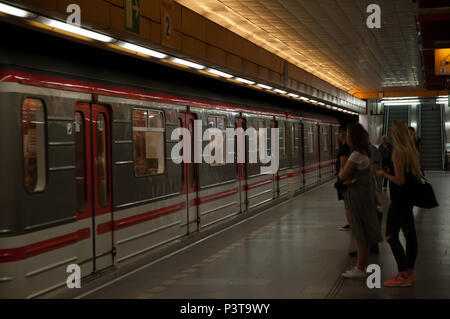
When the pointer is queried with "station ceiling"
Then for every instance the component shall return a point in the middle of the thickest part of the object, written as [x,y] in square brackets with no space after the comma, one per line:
[330,38]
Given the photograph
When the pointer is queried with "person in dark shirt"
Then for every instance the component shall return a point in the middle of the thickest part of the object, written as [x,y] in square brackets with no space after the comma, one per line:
[417,140]
[386,150]
[402,179]
[342,156]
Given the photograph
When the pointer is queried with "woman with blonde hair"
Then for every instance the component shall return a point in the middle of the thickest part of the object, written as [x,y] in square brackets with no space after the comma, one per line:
[407,173]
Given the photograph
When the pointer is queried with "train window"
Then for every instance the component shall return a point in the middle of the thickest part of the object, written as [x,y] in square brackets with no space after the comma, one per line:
[33,134]
[295,139]
[80,150]
[101,160]
[282,138]
[219,123]
[192,167]
[180,138]
[257,124]
[148,142]
[310,139]
[325,139]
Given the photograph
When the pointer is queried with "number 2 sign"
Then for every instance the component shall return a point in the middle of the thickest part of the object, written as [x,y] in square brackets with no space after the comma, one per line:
[167,24]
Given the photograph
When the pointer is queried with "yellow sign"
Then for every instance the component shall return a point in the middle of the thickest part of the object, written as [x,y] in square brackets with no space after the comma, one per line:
[442,62]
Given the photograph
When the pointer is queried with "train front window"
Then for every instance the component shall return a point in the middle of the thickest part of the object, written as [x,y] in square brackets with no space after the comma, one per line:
[148,142]
[33,134]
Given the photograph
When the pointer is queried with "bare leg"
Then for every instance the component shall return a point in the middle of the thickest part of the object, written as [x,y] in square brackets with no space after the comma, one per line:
[363,256]
[347,215]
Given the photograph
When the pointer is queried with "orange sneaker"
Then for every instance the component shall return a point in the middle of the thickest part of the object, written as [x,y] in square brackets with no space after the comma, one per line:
[398,281]
[410,276]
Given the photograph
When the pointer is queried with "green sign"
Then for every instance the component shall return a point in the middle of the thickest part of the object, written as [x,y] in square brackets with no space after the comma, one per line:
[132,16]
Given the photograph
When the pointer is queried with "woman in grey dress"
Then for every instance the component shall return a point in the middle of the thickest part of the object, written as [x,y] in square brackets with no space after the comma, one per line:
[360,197]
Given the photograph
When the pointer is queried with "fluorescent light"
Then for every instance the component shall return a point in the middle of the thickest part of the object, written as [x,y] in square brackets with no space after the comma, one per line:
[133,47]
[320,103]
[334,107]
[405,102]
[15,11]
[313,101]
[387,99]
[264,86]
[293,95]
[244,81]
[304,98]
[280,91]
[219,73]
[76,30]
[188,63]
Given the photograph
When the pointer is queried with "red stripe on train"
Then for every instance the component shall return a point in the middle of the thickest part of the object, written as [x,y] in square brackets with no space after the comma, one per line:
[257,184]
[312,169]
[137,219]
[19,253]
[209,198]
[279,178]
[327,165]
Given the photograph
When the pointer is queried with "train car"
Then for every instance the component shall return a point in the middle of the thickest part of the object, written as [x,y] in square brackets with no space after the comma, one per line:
[335,133]
[296,177]
[285,156]
[311,152]
[89,178]
[326,150]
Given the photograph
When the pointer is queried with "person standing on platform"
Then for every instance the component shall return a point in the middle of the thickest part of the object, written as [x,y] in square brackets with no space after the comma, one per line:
[416,139]
[375,165]
[406,173]
[360,195]
[386,150]
[342,156]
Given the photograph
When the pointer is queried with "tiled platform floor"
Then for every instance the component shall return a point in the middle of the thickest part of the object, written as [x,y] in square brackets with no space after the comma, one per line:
[294,250]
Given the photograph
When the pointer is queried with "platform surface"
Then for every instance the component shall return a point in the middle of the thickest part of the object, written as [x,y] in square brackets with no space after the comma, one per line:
[294,250]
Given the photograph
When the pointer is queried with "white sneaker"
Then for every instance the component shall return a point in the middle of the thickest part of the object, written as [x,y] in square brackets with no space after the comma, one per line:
[355,272]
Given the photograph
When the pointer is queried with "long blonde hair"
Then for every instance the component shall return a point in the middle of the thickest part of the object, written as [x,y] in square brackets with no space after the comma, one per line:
[406,149]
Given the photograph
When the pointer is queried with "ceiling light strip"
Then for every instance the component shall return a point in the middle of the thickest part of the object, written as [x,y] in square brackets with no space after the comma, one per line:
[75,29]
[15,11]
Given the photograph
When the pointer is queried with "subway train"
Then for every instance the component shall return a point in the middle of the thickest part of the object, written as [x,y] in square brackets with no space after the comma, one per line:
[87,176]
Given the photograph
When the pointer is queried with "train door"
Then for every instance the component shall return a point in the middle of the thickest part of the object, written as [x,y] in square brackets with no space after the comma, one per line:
[93,179]
[301,155]
[281,155]
[311,153]
[190,175]
[241,174]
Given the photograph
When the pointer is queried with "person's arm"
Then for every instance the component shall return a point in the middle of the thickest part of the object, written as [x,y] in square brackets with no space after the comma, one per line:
[374,168]
[346,172]
[399,177]
[343,160]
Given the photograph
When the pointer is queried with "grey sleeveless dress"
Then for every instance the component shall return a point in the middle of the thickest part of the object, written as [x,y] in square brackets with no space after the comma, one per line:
[361,201]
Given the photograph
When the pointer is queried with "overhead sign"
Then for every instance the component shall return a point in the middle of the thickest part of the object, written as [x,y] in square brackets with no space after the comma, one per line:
[132,15]
[442,61]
